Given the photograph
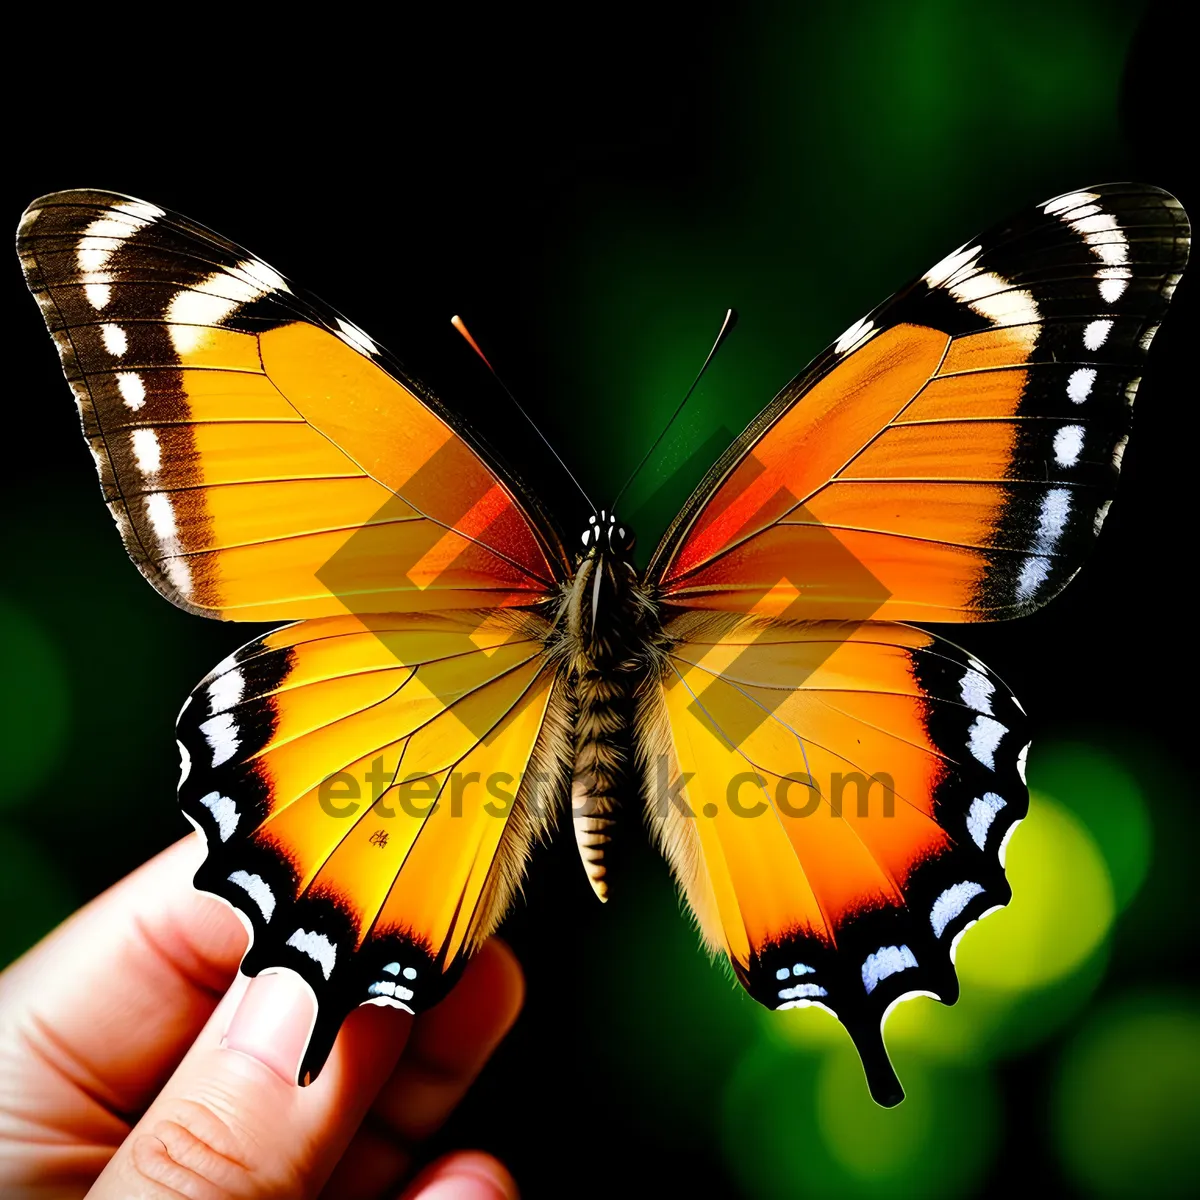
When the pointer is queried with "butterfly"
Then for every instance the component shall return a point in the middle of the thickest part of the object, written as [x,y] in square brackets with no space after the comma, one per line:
[832,787]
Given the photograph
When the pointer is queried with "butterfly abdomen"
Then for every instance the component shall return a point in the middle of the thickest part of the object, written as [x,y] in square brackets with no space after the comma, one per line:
[601,755]
[609,622]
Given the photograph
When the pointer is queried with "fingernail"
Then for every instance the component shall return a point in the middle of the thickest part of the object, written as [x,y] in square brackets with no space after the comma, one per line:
[273,1023]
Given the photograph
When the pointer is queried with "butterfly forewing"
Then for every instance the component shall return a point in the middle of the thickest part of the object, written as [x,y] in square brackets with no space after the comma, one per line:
[263,457]
[953,456]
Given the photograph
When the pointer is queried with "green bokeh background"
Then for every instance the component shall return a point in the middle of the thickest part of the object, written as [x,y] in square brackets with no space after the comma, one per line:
[592,217]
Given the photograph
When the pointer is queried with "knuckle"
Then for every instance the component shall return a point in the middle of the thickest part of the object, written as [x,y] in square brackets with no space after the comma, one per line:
[193,1153]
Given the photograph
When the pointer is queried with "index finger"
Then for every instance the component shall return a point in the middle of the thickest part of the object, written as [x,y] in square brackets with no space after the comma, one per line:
[116,995]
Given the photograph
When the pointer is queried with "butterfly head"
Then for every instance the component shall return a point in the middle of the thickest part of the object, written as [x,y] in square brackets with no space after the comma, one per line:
[606,535]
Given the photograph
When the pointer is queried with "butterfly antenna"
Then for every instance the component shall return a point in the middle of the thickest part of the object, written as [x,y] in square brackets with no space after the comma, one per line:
[726,329]
[460,325]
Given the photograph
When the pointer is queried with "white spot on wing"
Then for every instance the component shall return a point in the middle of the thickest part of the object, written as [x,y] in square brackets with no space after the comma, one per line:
[115,341]
[1079,386]
[146,451]
[317,946]
[981,815]
[977,691]
[802,991]
[224,812]
[185,763]
[162,519]
[1034,572]
[951,903]
[1068,445]
[215,298]
[104,236]
[1113,282]
[257,888]
[951,265]
[1052,521]
[225,691]
[221,733]
[161,513]
[1096,333]
[992,296]
[384,988]
[133,391]
[102,239]
[983,737]
[887,960]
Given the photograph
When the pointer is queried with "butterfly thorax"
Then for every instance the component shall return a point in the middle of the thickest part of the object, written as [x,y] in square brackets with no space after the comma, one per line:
[611,626]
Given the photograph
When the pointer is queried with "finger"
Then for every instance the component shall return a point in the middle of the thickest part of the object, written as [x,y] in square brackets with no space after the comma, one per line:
[230,1121]
[448,1047]
[464,1176]
[109,1002]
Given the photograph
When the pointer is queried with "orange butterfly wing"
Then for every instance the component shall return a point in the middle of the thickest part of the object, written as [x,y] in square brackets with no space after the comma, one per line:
[369,779]
[953,455]
[263,458]
[369,788]
[950,458]
[842,796]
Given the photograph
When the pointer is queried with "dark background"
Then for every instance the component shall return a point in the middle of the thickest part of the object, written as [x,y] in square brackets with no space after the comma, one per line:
[591,195]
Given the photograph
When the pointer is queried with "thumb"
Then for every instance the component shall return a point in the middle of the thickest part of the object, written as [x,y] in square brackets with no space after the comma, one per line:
[232,1122]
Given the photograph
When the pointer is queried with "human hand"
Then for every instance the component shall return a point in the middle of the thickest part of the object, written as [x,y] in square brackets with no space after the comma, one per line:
[130,1065]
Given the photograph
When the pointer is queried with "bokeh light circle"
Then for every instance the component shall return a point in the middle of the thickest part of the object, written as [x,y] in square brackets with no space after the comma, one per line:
[1094,785]
[1127,1103]
[803,1124]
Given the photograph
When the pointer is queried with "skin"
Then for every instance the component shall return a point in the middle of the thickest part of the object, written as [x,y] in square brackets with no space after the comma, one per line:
[136,1062]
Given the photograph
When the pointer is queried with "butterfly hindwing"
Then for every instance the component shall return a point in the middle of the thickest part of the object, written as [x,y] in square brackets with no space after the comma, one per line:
[369,789]
[263,457]
[834,799]
[952,457]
